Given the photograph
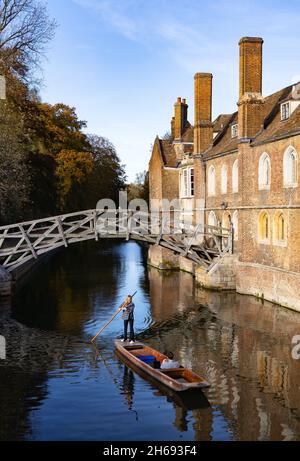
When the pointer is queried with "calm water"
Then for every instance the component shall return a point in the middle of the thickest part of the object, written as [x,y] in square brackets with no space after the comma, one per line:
[54,386]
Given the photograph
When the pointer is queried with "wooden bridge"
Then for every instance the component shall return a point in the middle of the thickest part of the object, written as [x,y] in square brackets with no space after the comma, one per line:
[22,242]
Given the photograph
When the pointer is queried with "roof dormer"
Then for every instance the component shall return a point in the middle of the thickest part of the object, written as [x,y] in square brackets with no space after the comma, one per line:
[288,106]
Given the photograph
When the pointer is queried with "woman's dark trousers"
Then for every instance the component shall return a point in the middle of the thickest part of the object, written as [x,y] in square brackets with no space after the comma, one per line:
[131,335]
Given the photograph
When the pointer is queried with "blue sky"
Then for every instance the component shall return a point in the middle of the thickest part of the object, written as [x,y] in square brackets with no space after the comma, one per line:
[123,63]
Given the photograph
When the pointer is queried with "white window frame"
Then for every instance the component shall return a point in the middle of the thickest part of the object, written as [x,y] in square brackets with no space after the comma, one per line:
[187,182]
[286,168]
[235,176]
[264,172]
[224,179]
[212,219]
[235,225]
[277,241]
[226,217]
[260,239]
[211,181]
[234,130]
[285,110]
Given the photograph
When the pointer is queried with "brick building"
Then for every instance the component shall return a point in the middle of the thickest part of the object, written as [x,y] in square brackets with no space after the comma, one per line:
[241,168]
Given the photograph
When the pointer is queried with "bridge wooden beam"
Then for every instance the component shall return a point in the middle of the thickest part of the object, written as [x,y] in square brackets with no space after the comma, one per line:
[21,242]
[28,242]
[61,231]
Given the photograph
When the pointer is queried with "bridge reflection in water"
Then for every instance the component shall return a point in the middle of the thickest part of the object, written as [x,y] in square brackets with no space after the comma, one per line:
[65,389]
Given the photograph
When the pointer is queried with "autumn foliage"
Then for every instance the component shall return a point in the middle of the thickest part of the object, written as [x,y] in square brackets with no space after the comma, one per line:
[48,164]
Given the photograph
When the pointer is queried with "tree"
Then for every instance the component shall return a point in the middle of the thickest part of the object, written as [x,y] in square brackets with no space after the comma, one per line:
[14,178]
[139,188]
[43,191]
[25,30]
[47,163]
[73,169]
[108,175]
[59,128]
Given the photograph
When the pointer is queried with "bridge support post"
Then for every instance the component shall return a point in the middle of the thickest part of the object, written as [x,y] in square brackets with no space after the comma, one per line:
[6,282]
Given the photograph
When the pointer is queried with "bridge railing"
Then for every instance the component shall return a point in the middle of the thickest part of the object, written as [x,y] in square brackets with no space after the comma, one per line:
[27,240]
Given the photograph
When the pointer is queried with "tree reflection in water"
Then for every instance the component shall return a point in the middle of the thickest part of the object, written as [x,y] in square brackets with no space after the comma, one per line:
[54,385]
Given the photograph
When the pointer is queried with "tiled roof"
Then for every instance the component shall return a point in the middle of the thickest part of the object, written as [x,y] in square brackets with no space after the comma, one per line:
[223,142]
[167,149]
[272,126]
[168,153]
[188,135]
[220,122]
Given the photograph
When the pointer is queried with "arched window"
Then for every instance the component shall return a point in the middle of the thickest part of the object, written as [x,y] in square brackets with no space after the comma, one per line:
[290,167]
[212,219]
[235,224]
[224,179]
[226,220]
[264,171]
[235,176]
[279,228]
[211,181]
[263,227]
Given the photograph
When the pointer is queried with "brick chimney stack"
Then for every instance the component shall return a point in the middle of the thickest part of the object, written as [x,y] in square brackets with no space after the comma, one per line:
[250,95]
[203,129]
[179,121]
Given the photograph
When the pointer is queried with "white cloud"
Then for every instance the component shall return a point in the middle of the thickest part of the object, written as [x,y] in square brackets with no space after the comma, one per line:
[113,14]
[182,42]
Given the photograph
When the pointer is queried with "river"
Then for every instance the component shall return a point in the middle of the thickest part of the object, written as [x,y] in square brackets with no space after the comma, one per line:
[55,386]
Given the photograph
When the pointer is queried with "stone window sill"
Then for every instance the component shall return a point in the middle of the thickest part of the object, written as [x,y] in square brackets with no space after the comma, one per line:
[263,187]
[280,243]
[290,186]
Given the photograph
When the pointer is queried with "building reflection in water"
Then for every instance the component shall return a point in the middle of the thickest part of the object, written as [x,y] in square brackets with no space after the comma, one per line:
[242,345]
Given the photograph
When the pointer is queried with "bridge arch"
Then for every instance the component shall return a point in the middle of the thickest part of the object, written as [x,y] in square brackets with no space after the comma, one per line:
[22,242]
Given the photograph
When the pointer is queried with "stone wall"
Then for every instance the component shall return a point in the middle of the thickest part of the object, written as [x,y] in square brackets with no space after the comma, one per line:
[220,277]
[162,258]
[270,283]
[276,198]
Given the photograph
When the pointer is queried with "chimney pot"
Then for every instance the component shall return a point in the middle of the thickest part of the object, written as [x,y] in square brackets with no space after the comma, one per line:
[250,65]
[203,133]
[180,118]
[250,92]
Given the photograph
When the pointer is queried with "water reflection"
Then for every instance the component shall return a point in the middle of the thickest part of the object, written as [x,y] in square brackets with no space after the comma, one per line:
[244,348]
[56,386]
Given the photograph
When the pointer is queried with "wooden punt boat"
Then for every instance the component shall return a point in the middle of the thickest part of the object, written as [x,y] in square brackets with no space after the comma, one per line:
[177,379]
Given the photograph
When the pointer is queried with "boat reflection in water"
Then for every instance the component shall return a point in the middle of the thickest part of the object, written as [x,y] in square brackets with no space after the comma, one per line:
[183,402]
[55,386]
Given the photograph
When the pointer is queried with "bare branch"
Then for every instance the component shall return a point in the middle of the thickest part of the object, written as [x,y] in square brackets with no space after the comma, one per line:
[25,30]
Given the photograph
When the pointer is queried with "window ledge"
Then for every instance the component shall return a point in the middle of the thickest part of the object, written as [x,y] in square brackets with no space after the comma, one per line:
[264,242]
[263,187]
[280,243]
[290,186]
